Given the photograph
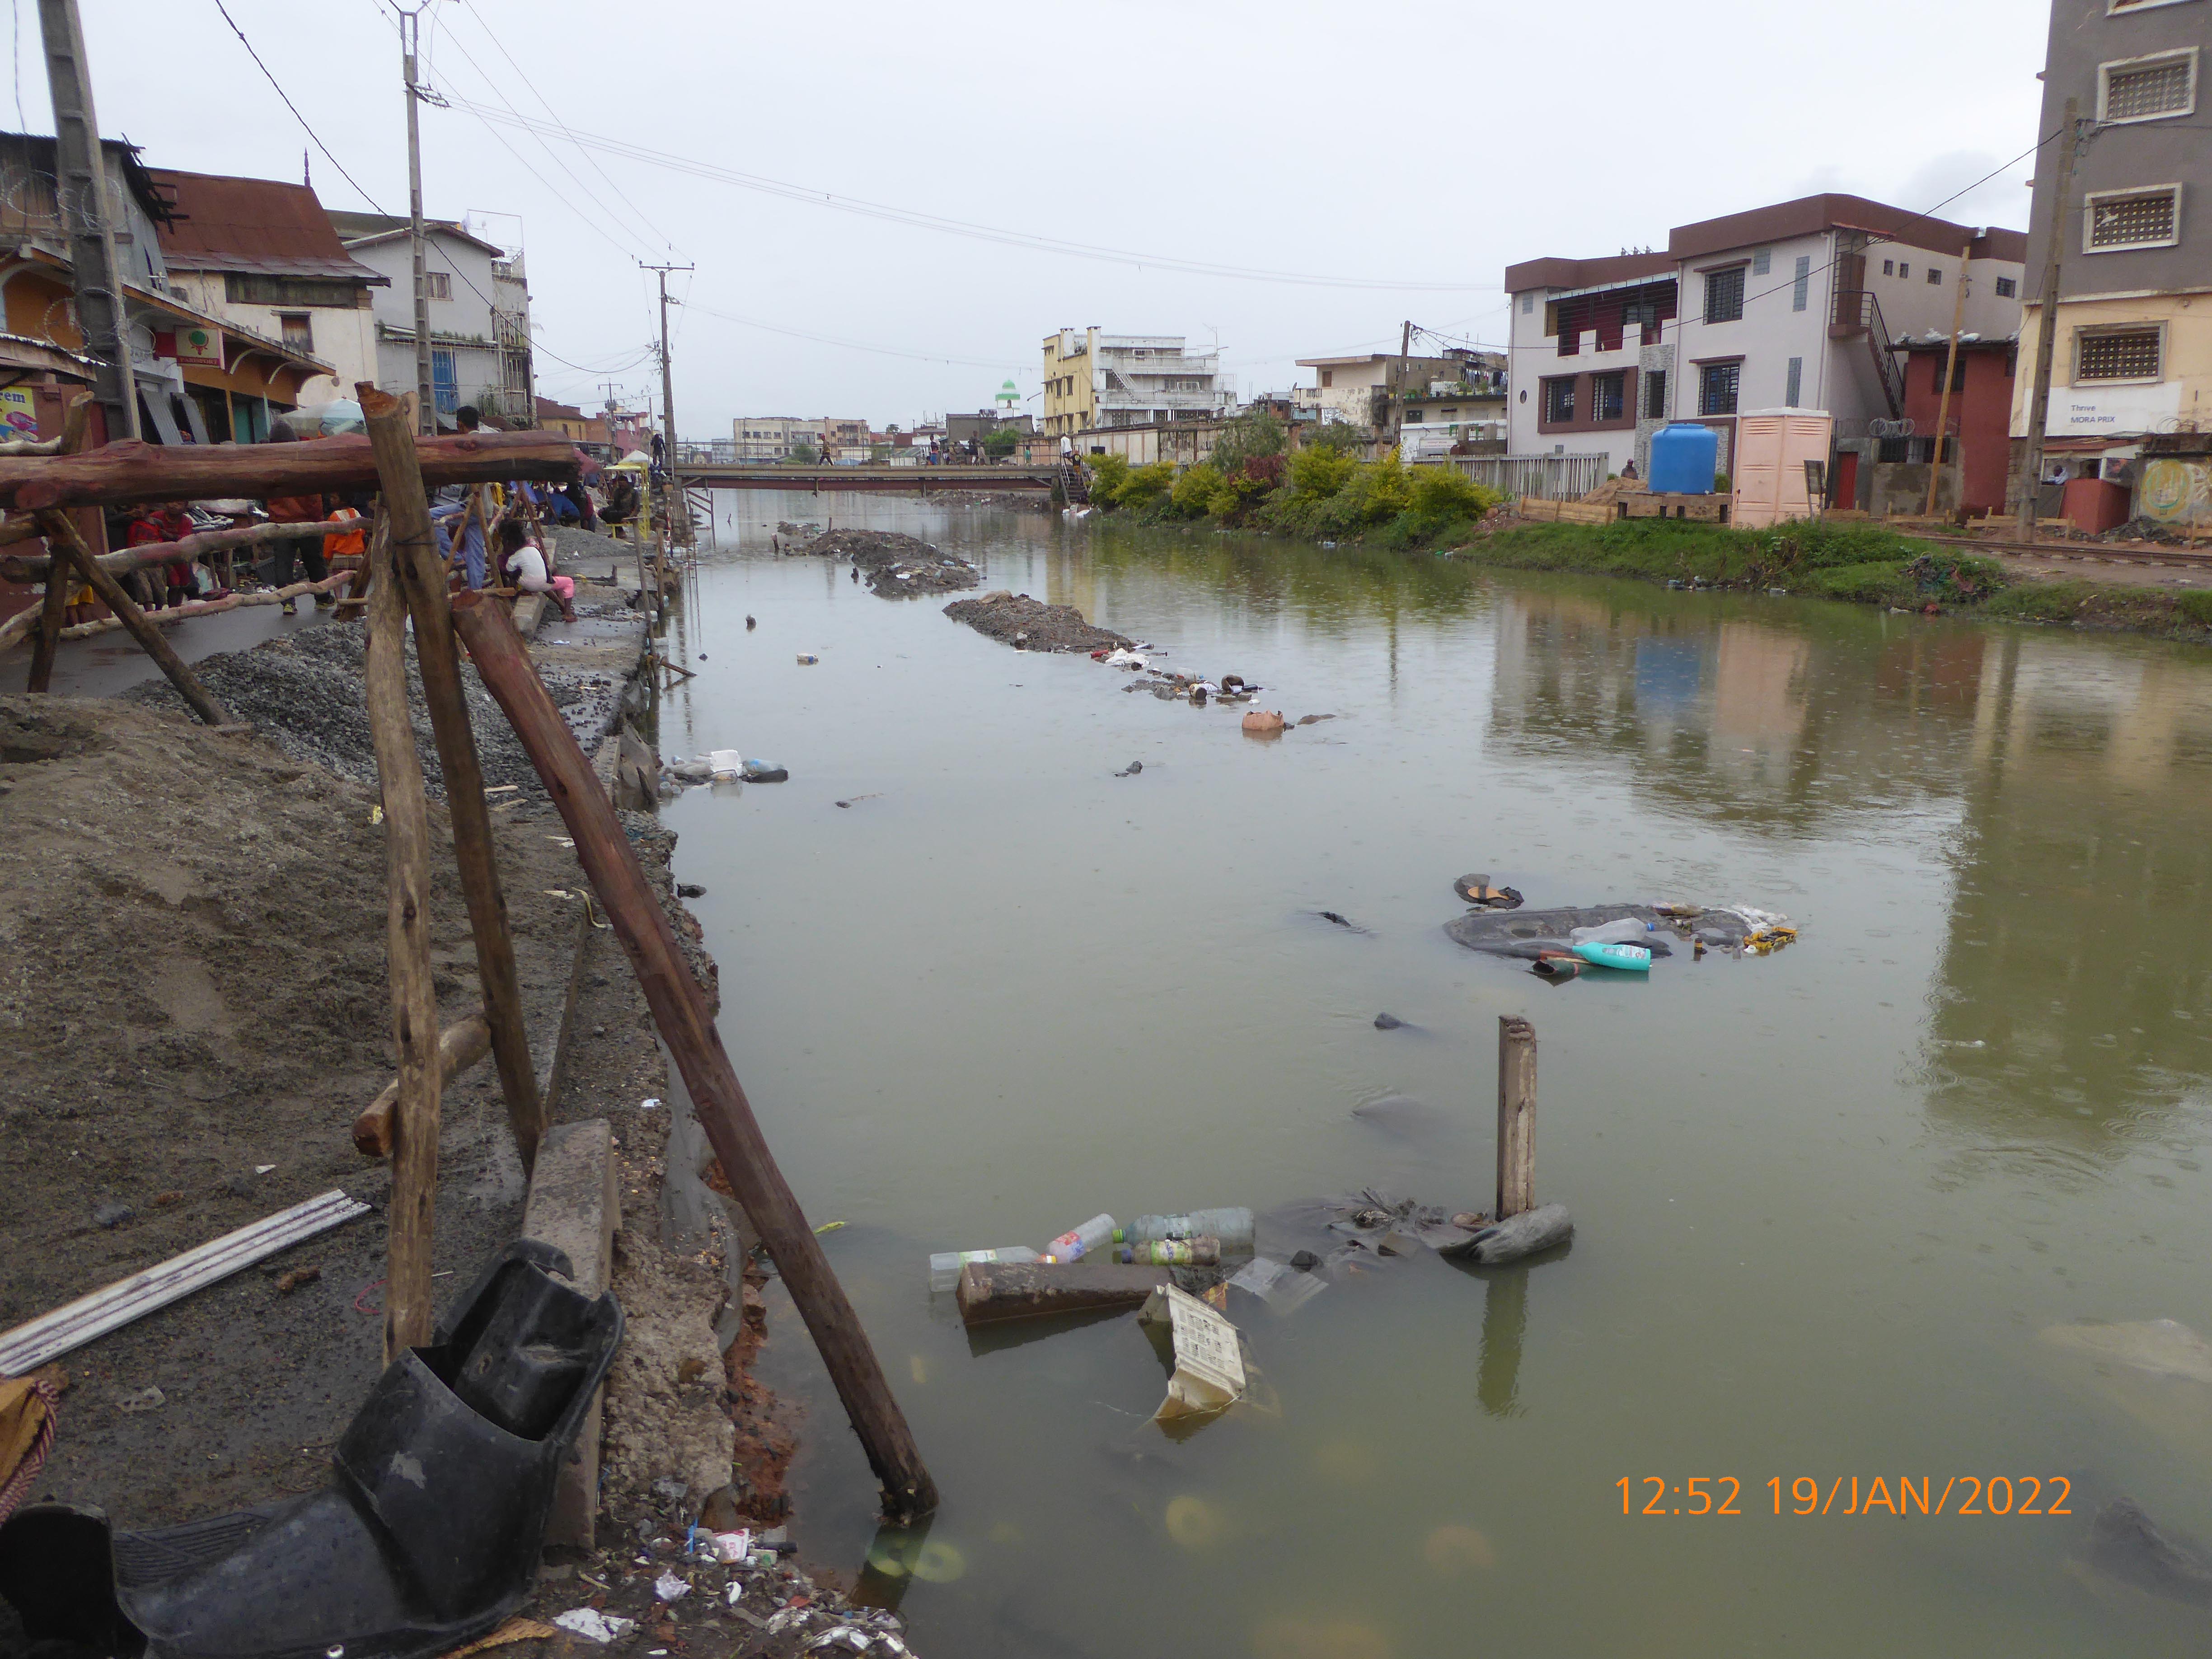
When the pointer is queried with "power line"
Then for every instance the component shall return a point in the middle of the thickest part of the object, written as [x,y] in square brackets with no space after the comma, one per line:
[22,121]
[954,226]
[281,93]
[853,346]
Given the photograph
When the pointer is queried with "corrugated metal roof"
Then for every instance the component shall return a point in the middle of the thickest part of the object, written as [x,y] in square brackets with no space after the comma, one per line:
[260,225]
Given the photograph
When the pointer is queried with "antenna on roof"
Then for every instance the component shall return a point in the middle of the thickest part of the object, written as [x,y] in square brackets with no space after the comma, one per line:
[306,168]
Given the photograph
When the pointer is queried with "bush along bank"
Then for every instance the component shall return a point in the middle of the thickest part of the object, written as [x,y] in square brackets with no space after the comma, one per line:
[1324,492]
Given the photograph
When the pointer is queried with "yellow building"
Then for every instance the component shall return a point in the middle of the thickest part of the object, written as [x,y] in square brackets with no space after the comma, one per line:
[1071,397]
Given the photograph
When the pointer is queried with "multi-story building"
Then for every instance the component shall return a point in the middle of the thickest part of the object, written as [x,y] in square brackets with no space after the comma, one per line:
[479,302]
[1797,305]
[1094,380]
[1363,390]
[2131,363]
[261,253]
[780,437]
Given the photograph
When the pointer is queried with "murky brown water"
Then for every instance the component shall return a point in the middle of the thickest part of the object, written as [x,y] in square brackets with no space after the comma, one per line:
[1827,1202]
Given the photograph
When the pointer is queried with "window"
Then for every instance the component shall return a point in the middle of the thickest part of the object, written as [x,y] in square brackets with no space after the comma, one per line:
[1935,277]
[1724,295]
[2008,288]
[2138,218]
[247,289]
[1655,395]
[1799,282]
[1889,267]
[1794,384]
[1608,394]
[299,332]
[1904,268]
[2148,88]
[1328,377]
[1528,305]
[2130,354]
[1958,375]
[1761,261]
[1413,414]
[1559,400]
[437,284]
[1716,387]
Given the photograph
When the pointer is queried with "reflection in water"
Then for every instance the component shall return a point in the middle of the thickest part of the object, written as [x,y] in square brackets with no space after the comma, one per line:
[1504,1320]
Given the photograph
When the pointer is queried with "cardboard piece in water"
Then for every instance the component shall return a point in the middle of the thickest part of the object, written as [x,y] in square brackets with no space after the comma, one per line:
[1209,1359]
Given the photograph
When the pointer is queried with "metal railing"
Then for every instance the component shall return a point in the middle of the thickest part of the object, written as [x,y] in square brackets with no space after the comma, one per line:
[1857,308]
[1551,478]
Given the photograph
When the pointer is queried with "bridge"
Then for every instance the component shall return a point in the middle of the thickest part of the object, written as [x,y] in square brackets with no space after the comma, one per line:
[871,476]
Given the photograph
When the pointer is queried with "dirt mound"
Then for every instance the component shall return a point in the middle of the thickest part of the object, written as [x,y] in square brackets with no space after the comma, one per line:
[1029,625]
[895,566]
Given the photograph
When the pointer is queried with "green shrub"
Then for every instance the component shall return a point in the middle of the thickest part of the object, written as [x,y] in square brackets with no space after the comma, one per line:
[1339,435]
[1251,437]
[1318,471]
[1193,492]
[1446,492]
[1143,486]
[2194,608]
[1108,474]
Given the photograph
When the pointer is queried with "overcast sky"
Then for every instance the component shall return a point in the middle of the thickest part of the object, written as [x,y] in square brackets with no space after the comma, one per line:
[1425,146]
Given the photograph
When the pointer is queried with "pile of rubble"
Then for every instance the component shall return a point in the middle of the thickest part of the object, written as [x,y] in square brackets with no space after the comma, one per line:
[895,566]
[1029,625]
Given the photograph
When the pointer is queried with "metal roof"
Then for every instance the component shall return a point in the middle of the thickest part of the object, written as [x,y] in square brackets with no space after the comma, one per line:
[256,225]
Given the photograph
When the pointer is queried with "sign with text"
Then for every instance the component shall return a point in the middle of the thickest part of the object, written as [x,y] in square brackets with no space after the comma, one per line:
[199,348]
[2092,411]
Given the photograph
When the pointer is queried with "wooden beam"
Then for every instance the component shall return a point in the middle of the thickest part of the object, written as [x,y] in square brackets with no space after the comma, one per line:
[679,1009]
[75,423]
[53,606]
[61,533]
[421,574]
[31,568]
[407,1304]
[123,474]
[459,1046]
[1517,1116]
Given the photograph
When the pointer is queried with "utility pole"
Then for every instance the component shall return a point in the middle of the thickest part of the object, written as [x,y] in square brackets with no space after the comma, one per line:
[80,170]
[667,373]
[426,405]
[2038,402]
[1398,408]
[1950,374]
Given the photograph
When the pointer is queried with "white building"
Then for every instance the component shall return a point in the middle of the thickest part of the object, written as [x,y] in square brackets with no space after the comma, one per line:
[479,301]
[1095,380]
[1795,306]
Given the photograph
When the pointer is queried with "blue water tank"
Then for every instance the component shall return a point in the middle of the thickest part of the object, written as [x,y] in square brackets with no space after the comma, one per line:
[1684,457]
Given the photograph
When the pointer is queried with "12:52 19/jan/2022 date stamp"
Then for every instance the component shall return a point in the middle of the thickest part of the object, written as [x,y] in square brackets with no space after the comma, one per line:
[1960,1495]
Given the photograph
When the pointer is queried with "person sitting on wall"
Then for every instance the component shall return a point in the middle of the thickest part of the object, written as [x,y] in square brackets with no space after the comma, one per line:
[524,561]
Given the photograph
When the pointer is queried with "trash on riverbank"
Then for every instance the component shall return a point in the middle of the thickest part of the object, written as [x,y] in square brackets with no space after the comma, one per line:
[1031,624]
[1283,1288]
[992,1291]
[1208,1354]
[895,566]
[1514,1237]
[1535,936]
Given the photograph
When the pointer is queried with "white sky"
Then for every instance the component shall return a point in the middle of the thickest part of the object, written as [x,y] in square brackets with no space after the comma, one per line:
[1397,140]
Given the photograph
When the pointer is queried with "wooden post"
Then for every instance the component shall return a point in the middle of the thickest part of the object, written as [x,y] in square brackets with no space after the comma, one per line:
[407,1303]
[1517,1116]
[1950,369]
[679,1009]
[2062,223]
[62,536]
[421,576]
[53,606]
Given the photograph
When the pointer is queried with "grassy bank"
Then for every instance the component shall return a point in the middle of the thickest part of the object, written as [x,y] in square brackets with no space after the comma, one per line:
[1862,563]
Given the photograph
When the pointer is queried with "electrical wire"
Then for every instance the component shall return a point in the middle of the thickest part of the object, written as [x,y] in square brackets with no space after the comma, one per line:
[855,345]
[915,219]
[22,121]
[281,93]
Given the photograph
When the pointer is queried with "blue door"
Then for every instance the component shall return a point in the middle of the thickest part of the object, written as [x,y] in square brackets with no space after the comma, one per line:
[445,382]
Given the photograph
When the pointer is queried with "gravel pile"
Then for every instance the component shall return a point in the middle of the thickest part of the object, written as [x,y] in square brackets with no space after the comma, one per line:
[587,551]
[895,566]
[306,691]
[1029,625]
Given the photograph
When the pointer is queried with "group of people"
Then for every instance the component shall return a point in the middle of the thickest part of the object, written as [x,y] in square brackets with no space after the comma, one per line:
[471,518]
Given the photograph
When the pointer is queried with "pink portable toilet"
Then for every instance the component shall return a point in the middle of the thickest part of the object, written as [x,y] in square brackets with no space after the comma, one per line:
[1771,448]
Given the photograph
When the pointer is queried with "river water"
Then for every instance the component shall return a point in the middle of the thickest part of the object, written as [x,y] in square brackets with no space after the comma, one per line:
[1827,1202]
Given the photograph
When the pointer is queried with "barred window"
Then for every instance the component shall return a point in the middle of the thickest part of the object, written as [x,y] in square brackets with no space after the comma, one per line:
[1655,395]
[2144,218]
[1724,295]
[2119,354]
[2143,91]
[1607,396]
[1716,387]
[1559,400]
[2008,288]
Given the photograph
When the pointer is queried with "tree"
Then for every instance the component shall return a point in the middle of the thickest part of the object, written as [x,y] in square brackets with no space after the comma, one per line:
[1001,442]
[1252,436]
[803,453]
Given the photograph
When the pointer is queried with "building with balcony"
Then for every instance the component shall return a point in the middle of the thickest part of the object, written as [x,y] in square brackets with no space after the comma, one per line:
[1095,380]
[2132,356]
[1796,305]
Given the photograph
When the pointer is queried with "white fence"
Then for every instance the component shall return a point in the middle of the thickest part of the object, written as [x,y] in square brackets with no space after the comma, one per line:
[1551,478]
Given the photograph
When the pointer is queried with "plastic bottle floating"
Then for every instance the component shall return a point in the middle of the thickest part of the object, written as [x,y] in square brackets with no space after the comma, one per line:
[1626,958]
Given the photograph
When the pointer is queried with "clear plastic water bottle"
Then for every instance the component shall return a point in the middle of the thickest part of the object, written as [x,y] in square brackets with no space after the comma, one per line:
[1078,1242]
[1232,1226]
[1171,1253]
[945,1267]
